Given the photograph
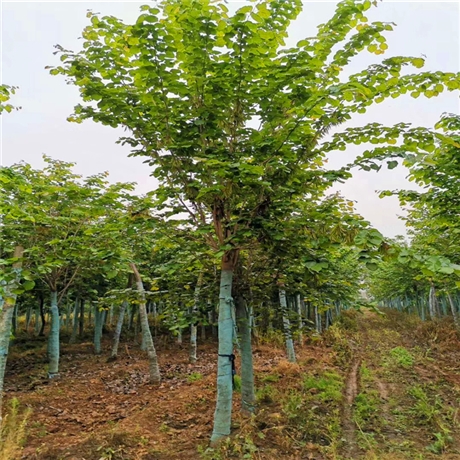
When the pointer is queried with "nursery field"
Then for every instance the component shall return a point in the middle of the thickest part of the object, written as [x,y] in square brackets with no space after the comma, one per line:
[372,387]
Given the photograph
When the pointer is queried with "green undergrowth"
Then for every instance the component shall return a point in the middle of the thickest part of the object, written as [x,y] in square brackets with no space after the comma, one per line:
[13,431]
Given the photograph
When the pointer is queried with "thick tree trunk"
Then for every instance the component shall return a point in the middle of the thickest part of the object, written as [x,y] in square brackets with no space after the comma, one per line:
[6,319]
[287,327]
[116,337]
[53,338]
[151,352]
[194,326]
[248,398]
[223,412]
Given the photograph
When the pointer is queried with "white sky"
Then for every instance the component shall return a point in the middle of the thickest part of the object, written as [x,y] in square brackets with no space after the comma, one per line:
[30,29]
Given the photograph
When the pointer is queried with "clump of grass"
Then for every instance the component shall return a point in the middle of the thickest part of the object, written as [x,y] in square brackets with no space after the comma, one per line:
[13,431]
[327,386]
[402,357]
[194,377]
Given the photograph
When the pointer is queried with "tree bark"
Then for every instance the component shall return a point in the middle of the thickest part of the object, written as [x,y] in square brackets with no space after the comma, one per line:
[223,412]
[194,326]
[116,337]
[287,327]
[6,319]
[151,352]
[248,398]
[53,338]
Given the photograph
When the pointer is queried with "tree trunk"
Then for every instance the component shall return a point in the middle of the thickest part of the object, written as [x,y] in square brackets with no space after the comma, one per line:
[73,337]
[6,319]
[151,352]
[452,309]
[432,301]
[98,323]
[37,321]
[287,327]
[28,317]
[53,338]
[116,337]
[81,323]
[223,412]
[42,314]
[194,326]
[248,398]
[299,315]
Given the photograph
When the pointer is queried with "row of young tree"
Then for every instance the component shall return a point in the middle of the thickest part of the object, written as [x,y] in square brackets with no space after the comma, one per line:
[235,128]
[422,275]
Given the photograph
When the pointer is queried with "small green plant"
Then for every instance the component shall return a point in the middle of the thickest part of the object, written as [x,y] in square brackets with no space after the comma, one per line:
[266,394]
[164,428]
[329,386]
[402,357]
[423,408]
[443,439]
[270,378]
[194,377]
[13,431]
[237,383]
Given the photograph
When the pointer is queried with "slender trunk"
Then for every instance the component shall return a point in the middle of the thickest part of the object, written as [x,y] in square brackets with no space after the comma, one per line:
[287,327]
[179,336]
[299,314]
[110,317]
[15,318]
[42,314]
[73,337]
[37,321]
[131,317]
[28,317]
[81,323]
[6,319]
[432,301]
[151,352]
[223,412]
[53,338]
[116,337]
[319,326]
[453,309]
[90,313]
[98,323]
[193,327]
[248,398]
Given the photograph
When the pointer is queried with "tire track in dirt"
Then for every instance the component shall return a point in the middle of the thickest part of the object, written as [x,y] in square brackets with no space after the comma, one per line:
[348,425]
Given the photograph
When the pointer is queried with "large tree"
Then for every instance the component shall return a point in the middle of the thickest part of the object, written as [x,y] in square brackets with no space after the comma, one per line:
[232,121]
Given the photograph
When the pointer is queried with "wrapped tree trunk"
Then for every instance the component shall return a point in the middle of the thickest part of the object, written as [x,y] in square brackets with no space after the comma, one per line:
[6,317]
[223,412]
[248,398]
[53,338]
[154,369]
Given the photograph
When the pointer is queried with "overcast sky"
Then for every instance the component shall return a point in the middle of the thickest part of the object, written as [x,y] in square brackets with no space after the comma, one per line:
[30,29]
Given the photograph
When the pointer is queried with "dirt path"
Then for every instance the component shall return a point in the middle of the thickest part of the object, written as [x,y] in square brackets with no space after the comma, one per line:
[348,425]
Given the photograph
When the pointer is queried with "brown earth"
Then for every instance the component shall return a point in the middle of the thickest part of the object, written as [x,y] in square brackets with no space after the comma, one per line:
[98,410]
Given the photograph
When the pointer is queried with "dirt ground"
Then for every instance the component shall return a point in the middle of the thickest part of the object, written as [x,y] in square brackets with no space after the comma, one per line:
[398,381]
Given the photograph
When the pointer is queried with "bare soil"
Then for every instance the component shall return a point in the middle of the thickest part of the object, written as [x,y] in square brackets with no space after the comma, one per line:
[98,410]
